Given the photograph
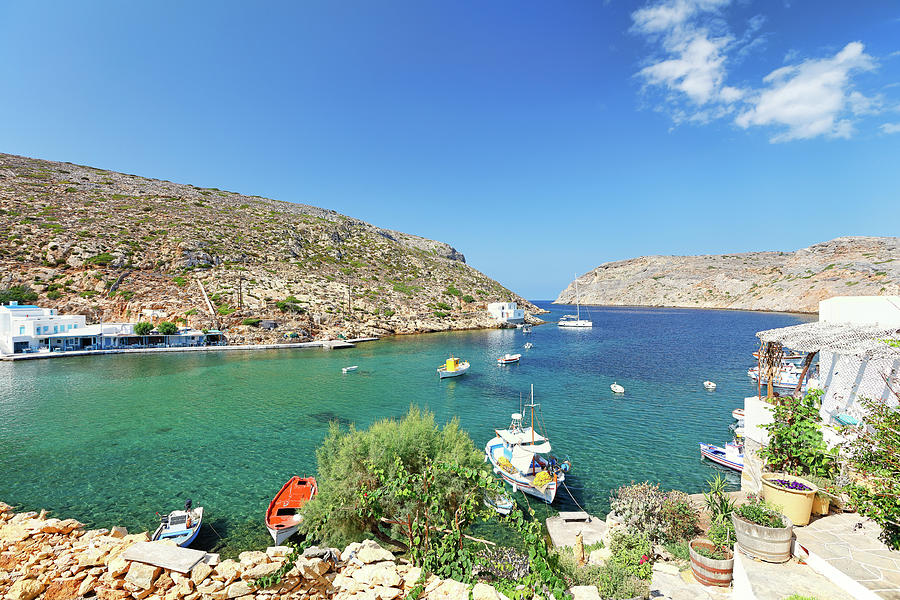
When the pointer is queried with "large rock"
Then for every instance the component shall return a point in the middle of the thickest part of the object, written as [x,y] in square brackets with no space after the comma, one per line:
[258,571]
[63,589]
[141,575]
[25,589]
[312,568]
[585,592]
[384,573]
[87,585]
[252,557]
[118,532]
[450,589]
[200,572]
[117,566]
[483,591]
[370,552]
[229,570]
[13,533]
[236,589]
[274,552]
[599,556]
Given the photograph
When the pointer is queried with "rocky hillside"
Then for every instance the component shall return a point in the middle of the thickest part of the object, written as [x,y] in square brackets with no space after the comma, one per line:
[775,281]
[124,248]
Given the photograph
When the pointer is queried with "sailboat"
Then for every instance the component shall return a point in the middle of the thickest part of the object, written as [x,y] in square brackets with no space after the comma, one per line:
[575,320]
[521,457]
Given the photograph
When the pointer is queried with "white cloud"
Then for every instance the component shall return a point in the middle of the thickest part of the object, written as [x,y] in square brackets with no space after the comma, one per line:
[809,99]
[671,13]
[890,128]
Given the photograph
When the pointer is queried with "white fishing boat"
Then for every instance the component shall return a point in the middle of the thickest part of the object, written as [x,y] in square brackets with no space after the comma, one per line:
[575,320]
[180,526]
[526,328]
[731,455]
[453,368]
[521,457]
[346,370]
[709,385]
[508,359]
[501,502]
[529,345]
[738,414]
[786,378]
[616,388]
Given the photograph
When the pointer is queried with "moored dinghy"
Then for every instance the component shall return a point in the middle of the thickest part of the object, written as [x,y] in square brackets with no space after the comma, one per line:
[731,456]
[180,526]
[502,503]
[616,388]
[709,385]
[283,517]
[508,359]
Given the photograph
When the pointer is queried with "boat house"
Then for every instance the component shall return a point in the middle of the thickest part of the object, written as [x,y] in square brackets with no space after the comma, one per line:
[26,329]
[506,312]
[855,361]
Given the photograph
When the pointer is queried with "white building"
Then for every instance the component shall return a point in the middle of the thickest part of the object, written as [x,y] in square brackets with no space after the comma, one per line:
[854,363]
[27,328]
[506,312]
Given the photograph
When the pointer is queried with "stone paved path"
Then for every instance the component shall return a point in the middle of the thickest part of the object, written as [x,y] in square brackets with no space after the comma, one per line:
[849,543]
[670,584]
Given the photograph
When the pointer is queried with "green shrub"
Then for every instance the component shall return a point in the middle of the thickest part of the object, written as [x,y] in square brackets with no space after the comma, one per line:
[190,312]
[143,328]
[180,281]
[452,291]
[616,583]
[290,304]
[88,293]
[167,328]
[126,294]
[468,299]
[102,259]
[54,295]
[440,315]
[224,310]
[254,322]
[759,512]
[796,444]
[389,312]
[18,293]
[640,507]
[634,553]
[679,516]
[443,306]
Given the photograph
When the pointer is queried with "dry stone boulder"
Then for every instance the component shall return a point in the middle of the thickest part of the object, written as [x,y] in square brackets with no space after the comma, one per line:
[585,592]
[25,589]
[118,532]
[252,557]
[229,570]
[274,552]
[483,591]
[384,573]
[370,552]
[237,589]
[258,571]
[65,588]
[141,575]
[200,572]
[450,589]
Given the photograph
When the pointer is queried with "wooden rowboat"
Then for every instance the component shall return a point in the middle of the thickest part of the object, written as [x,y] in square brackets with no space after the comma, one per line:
[180,526]
[283,516]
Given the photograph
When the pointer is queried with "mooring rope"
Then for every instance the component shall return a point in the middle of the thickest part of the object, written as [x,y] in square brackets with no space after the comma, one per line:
[573,498]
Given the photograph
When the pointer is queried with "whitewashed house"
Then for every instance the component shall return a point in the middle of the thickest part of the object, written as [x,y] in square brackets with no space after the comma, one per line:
[27,328]
[854,363]
[506,312]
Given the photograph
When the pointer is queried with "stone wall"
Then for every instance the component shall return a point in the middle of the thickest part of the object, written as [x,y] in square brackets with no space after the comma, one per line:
[57,559]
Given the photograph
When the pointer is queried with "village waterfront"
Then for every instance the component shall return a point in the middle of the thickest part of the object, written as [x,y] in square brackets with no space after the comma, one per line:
[110,440]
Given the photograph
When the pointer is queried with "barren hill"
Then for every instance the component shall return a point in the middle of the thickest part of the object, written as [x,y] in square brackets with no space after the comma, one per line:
[774,281]
[122,247]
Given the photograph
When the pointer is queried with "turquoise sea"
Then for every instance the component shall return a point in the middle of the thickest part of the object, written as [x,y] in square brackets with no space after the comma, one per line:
[110,440]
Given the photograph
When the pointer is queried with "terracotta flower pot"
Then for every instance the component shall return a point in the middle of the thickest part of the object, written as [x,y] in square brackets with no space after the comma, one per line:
[710,571]
[795,502]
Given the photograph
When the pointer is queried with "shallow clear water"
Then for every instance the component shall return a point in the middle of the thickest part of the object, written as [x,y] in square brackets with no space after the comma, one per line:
[110,440]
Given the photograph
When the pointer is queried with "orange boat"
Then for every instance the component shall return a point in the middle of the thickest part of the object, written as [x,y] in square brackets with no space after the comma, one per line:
[283,517]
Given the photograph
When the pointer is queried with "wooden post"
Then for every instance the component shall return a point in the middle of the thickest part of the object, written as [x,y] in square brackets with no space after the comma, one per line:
[806,364]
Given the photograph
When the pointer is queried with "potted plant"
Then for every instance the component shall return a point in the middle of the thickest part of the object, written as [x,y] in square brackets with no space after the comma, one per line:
[712,560]
[762,532]
[793,494]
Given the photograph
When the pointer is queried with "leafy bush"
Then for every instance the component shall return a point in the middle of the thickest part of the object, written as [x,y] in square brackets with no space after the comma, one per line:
[873,456]
[468,299]
[143,328]
[54,295]
[190,312]
[640,507]
[634,553]
[102,259]
[179,281]
[615,582]
[389,312]
[442,306]
[720,507]
[251,322]
[679,517]
[440,315]
[18,293]
[795,438]
[759,512]
[289,304]
[225,310]
[126,294]
[88,293]
[167,328]
[452,291]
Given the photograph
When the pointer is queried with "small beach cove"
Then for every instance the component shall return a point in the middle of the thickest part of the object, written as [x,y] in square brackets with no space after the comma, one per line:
[113,439]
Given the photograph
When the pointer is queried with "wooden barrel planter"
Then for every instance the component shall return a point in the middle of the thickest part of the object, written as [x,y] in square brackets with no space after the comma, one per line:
[709,571]
[771,544]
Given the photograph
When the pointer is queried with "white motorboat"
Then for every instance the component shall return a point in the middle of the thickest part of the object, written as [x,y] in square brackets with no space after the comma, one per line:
[508,359]
[738,414]
[529,345]
[521,457]
[575,320]
[180,526]
[453,368]
[731,455]
[526,328]
[709,385]
[346,370]
[616,388]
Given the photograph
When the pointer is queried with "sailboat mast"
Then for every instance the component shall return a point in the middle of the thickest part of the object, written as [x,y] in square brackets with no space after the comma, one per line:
[532,413]
[577,303]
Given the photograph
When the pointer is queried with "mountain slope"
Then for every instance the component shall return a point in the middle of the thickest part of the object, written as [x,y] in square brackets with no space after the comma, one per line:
[774,281]
[122,247]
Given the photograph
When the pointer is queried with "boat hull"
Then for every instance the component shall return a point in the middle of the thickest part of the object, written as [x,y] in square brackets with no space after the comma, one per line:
[719,456]
[576,323]
[519,481]
[280,535]
[282,516]
[189,536]
[461,370]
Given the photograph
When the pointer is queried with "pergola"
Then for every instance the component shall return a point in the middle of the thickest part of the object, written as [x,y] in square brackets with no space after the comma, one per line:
[862,341]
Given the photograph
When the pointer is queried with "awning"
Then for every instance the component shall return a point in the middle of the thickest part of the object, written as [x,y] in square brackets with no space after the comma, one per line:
[520,437]
[842,338]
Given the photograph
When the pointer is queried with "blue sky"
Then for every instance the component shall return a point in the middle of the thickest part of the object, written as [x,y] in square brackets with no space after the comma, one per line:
[540,139]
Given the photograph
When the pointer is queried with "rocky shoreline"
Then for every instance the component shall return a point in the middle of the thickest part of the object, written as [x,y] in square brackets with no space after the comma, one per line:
[54,559]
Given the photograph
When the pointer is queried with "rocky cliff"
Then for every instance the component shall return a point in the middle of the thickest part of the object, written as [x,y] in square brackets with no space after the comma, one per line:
[772,281]
[120,247]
